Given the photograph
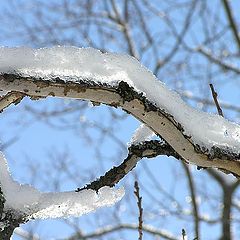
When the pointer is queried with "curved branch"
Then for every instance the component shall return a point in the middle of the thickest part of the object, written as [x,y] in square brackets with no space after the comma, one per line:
[132,102]
[19,203]
[120,81]
[231,21]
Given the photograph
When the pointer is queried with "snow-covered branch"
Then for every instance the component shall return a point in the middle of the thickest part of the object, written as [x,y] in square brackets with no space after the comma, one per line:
[121,81]
[19,203]
[196,137]
[29,202]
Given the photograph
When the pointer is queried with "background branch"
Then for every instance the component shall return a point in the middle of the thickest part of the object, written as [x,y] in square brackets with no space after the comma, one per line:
[140,210]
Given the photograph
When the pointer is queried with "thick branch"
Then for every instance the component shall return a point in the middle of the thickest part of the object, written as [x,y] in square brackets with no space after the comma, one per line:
[124,96]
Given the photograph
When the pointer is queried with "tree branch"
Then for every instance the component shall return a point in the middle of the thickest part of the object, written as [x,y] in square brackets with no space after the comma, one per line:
[133,102]
[140,209]
[231,22]
[194,202]
[148,149]
[222,64]
[25,234]
[215,95]
[225,105]
[228,188]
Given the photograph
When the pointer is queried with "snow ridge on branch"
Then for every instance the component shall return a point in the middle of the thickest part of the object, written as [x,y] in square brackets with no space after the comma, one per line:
[117,80]
[71,64]
[27,201]
[189,135]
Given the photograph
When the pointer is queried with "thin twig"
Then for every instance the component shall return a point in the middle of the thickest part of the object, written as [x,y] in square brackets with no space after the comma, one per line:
[232,22]
[102,232]
[140,209]
[224,105]
[183,234]
[215,95]
[192,190]
[224,65]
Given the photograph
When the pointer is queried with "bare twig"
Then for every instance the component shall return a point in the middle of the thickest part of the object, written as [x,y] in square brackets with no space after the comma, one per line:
[215,95]
[194,202]
[125,29]
[8,143]
[179,37]
[140,209]
[188,95]
[228,188]
[225,66]
[232,23]
[183,234]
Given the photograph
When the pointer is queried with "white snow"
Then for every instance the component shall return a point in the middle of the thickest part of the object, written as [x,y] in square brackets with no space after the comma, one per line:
[142,133]
[28,200]
[74,64]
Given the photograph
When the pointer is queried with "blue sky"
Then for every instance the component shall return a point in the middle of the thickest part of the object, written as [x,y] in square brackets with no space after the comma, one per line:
[36,141]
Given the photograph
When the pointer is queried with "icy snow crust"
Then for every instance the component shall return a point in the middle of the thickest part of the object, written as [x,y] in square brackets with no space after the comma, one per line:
[29,201]
[74,64]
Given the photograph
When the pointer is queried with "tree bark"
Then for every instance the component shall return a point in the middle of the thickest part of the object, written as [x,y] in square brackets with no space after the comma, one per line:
[134,103]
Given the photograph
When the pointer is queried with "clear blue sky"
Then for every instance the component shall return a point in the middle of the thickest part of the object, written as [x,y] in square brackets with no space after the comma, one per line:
[36,140]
